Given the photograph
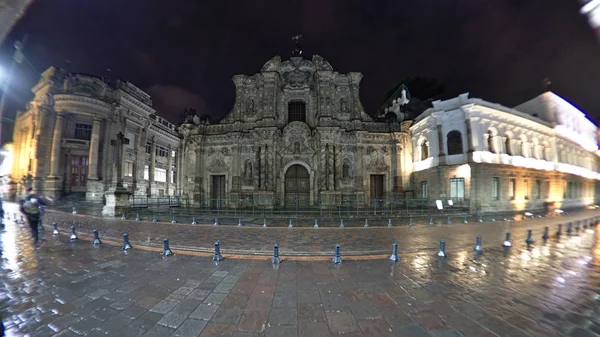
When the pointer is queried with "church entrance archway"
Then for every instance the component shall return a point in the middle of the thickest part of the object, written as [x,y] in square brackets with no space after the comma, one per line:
[297,187]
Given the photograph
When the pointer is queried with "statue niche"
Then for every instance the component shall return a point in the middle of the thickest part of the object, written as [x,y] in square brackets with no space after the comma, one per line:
[248,172]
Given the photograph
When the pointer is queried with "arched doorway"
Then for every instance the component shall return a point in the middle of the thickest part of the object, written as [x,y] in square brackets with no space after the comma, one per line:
[297,187]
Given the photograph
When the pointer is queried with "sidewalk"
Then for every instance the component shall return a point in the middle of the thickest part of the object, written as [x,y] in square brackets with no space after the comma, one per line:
[307,241]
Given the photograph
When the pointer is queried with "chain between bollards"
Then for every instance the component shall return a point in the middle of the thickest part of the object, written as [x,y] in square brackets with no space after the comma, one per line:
[166,249]
[337,259]
[275,258]
[394,256]
[126,244]
[96,238]
[73,235]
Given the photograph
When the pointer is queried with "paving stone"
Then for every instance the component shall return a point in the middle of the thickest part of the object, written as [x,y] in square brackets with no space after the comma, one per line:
[281,331]
[198,294]
[183,291]
[84,326]
[283,316]
[224,287]
[411,330]
[227,316]
[190,328]
[164,306]
[312,329]
[172,320]
[253,321]
[214,298]
[341,322]
[309,296]
[133,312]
[363,310]
[186,306]
[217,329]
[63,322]
[122,304]
[204,312]
[447,333]
[285,300]
[310,312]
[159,331]
[147,320]
[376,327]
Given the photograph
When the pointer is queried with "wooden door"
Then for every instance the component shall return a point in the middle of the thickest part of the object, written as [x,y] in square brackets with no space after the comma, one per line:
[79,173]
[297,187]
[217,191]
[377,190]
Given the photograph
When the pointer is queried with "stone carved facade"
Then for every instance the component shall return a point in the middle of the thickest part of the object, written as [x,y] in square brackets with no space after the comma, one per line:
[297,135]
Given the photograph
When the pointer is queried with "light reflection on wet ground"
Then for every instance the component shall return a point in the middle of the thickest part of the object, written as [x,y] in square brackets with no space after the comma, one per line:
[73,288]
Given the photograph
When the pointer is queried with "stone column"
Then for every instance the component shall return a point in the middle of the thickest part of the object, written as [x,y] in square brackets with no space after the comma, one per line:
[263,167]
[93,154]
[55,155]
[337,167]
[169,169]
[152,163]
[330,168]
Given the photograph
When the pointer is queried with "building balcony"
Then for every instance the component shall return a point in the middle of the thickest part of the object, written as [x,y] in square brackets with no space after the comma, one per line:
[72,143]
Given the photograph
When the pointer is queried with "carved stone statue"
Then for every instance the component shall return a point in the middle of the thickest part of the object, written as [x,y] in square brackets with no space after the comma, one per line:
[343,106]
[251,107]
[248,170]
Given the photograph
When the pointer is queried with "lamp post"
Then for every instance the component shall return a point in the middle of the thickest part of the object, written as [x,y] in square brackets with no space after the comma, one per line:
[18,58]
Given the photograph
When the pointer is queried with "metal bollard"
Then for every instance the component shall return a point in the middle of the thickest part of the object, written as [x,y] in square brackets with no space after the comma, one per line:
[173,219]
[22,219]
[493,219]
[137,217]
[410,221]
[275,258]
[430,221]
[570,228]
[194,220]
[466,220]
[394,256]
[559,231]
[166,250]
[316,225]
[337,259]
[478,246]
[96,238]
[126,244]
[239,222]
[546,236]
[480,219]
[73,235]
[55,226]
[366,223]
[216,222]
[390,223]
[154,219]
[218,256]
[449,221]
[507,242]
[529,241]
[74,211]
[341,223]
[123,217]
[577,229]
[442,251]
[265,222]
[585,225]
[290,225]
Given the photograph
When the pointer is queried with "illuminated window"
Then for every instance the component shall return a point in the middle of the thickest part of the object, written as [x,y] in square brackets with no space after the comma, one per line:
[146,172]
[526,189]
[83,131]
[512,187]
[496,188]
[160,175]
[457,188]
[161,151]
[128,169]
[454,143]
[296,111]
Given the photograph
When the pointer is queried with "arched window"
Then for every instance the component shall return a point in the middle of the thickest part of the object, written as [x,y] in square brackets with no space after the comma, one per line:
[296,111]
[346,169]
[424,150]
[454,142]
[490,141]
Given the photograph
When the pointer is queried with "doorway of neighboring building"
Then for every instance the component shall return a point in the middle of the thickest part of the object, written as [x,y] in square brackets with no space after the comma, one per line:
[297,187]
[217,191]
[377,191]
[79,173]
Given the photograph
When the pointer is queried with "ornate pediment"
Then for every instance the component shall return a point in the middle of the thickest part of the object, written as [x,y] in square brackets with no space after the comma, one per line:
[297,79]
[297,140]
[376,158]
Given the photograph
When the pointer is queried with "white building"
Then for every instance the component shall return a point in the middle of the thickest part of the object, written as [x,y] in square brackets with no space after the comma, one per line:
[541,154]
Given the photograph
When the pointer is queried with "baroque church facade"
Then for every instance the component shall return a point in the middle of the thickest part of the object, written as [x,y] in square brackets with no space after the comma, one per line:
[296,136]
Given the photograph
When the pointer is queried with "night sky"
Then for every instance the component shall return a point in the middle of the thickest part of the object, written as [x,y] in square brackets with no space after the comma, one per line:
[184,52]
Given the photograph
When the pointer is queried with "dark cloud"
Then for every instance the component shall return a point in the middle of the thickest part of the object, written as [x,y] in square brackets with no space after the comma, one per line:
[174,99]
[497,50]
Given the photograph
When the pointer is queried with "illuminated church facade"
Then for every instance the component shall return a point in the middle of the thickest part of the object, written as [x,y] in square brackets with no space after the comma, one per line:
[298,136]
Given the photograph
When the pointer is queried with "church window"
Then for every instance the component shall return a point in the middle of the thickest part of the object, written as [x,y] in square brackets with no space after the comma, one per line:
[424,150]
[296,111]
[454,142]
[346,170]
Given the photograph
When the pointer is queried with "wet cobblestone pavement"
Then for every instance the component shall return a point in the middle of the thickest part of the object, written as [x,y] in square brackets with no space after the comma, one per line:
[307,241]
[77,289]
